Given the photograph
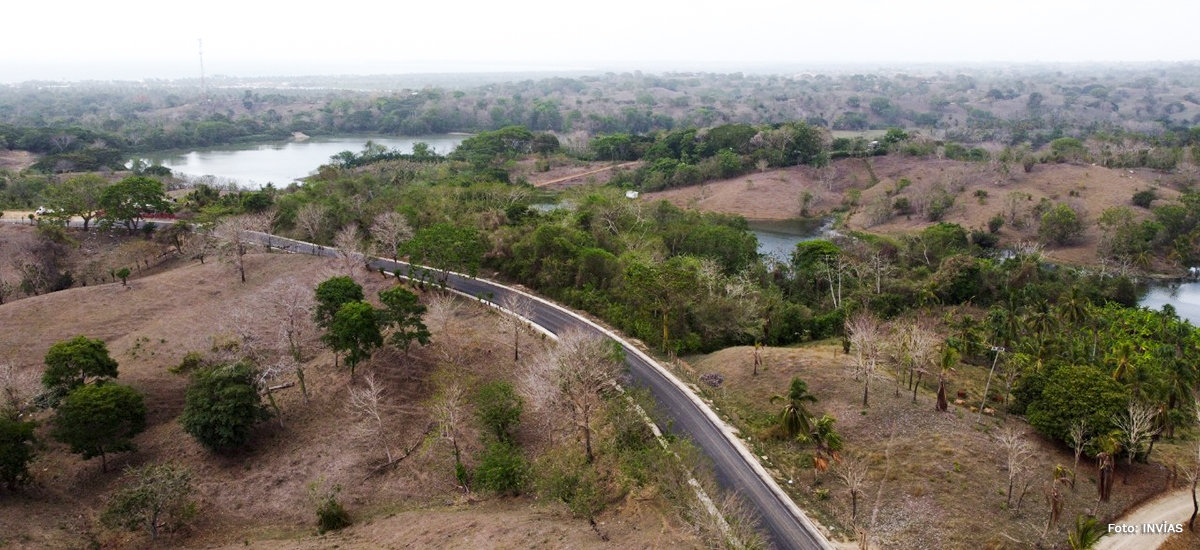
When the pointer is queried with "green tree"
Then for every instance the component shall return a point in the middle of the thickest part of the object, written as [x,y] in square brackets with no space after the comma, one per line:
[795,418]
[129,200]
[354,330]
[221,406]
[77,196]
[402,312]
[16,450]
[75,362]
[447,247]
[1060,225]
[155,495]
[98,420]
[499,408]
[332,295]
[1073,393]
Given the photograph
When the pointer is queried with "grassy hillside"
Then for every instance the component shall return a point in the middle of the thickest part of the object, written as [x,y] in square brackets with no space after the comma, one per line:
[259,497]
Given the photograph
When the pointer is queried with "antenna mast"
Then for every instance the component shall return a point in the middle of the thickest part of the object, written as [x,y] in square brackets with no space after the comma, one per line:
[203,88]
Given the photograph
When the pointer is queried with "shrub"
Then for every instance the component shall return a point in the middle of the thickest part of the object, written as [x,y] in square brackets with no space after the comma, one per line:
[499,408]
[565,477]
[1061,225]
[16,450]
[995,224]
[502,469]
[331,515]
[902,206]
[221,406]
[156,495]
[1144,198]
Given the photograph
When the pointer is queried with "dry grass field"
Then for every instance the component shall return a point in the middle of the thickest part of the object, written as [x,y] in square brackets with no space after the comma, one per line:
[258,498]
[775,194]
[946,482]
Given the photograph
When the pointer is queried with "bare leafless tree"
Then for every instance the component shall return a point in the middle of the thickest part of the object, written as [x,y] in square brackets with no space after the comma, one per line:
[1078,437]
[571,377]
[1017,454]
[17,388]
[366,404]
[390,230]
[311,219]
[866,337]
[351,252]
[520,308]
[1137,427]
[449,413]
[268,375]
[238,238]
[853,473]
[291,305]
[197,245]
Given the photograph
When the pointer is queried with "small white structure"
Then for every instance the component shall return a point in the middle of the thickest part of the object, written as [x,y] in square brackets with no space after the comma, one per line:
[631,194]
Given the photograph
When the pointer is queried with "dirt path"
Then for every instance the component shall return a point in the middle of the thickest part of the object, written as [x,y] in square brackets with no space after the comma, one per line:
[1174,507]
[582,174]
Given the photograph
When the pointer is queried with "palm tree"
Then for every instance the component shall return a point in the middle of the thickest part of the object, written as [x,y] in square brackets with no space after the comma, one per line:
[1086,533]
[794,417]
[1125,366]
[827,442]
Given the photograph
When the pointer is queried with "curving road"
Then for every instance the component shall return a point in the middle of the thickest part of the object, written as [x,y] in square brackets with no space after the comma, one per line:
[735,466]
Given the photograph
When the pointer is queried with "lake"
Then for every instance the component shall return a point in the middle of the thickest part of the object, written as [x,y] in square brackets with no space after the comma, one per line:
[282,162]
[1184,296]
[777,238]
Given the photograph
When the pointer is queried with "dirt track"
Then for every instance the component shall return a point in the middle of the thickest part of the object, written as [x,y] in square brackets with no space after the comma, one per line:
[1174,507]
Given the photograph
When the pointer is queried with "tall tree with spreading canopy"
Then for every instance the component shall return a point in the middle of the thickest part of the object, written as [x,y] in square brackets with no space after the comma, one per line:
[99,420]
[77,196]
[447,247]
[355,331]
[129,200]
[75,362]
[331,295]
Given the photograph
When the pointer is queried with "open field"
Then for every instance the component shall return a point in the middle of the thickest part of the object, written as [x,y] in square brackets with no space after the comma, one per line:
[945,486]
[258,498]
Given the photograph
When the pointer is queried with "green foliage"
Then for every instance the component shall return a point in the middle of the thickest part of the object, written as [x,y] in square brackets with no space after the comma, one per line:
[795,418]
[1076,392]
[123,274]
[16,450]
[154,495]
[499,408]
[567,477]
[129,200]
[222,405]
[332,294]
[502,469]
[100,419]
[75,362]
[1144,198]
[958,279]
[995,223]
[355,330]
[402,312]
[331,515]
[447,247]
[1061,225]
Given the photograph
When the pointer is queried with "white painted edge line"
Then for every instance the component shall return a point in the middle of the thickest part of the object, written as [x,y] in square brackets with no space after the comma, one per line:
[724,428]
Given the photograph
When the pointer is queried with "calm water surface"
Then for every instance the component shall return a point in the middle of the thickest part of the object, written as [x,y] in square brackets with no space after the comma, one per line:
[282,162]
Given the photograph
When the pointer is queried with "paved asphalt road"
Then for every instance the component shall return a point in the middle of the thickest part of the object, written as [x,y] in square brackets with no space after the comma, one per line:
[732,469]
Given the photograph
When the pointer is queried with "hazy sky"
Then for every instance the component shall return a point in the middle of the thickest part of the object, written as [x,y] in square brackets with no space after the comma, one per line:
[123,39]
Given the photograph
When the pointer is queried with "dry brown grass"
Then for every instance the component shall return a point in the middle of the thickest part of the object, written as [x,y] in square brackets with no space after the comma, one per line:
[259,495]
[947,481]
[775,194]
[1182,541]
